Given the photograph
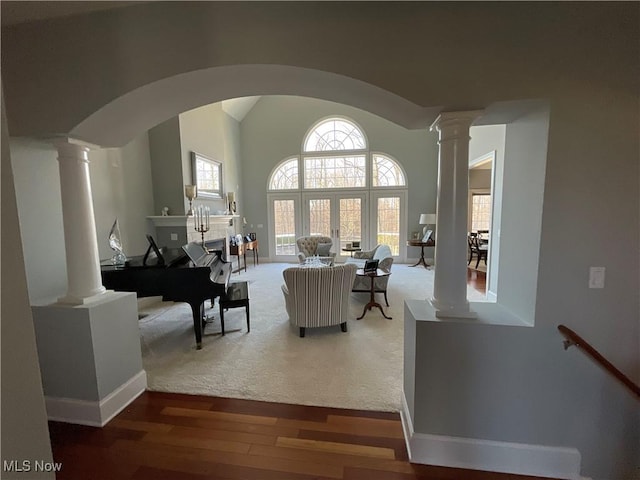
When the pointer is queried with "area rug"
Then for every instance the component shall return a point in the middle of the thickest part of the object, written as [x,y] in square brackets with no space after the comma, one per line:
[359,369]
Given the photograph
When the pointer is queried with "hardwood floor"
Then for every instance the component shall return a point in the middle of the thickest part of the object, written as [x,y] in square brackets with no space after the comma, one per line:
[165,436]
[477,280]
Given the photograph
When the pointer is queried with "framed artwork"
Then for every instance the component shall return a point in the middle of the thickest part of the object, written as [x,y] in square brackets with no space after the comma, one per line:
[427,236]
[370,265]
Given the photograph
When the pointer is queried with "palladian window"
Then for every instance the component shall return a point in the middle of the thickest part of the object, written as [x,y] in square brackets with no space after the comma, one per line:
[348,193]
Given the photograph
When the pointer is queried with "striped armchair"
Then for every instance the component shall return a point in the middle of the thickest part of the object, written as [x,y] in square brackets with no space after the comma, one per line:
[318,297]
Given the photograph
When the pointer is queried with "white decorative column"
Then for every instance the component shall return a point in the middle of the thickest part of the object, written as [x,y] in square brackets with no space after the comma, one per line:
[450,278]
[84,282]
[84,378]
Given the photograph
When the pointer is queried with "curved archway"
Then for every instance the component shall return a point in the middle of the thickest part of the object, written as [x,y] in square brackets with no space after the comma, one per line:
[118,122]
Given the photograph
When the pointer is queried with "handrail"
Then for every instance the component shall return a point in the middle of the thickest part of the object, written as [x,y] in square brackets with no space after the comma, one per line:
[574,339]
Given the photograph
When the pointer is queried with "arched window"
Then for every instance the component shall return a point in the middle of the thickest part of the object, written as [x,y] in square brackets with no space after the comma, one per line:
[334,134]
[285,175]
[339,189]
[323,168]
[386,172]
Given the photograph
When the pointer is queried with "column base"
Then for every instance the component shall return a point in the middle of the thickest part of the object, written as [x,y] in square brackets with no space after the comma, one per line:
[73,300]
[452,311]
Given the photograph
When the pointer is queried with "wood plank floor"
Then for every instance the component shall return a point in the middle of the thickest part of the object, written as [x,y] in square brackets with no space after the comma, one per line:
[477,280]
[165,436]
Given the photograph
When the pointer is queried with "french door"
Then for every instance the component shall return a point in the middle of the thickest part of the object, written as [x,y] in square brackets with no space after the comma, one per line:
[340,216]
[345,217]
[285,225]
[388,221]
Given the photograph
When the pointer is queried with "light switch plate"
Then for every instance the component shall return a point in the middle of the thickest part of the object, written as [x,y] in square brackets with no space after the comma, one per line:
[596,277]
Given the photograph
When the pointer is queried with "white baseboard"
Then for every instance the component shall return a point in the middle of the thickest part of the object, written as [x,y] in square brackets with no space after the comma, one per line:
[96,413]
[489,455]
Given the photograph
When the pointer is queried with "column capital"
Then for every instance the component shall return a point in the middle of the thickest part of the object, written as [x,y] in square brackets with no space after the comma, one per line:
[71,149]
[455,120]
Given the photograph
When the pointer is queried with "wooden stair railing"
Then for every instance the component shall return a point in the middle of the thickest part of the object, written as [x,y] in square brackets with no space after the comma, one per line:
[572,338]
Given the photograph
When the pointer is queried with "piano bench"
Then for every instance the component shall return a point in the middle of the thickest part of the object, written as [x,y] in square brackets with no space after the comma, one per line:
[237,296]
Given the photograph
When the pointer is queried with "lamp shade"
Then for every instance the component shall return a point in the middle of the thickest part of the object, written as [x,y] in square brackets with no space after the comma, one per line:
[427,219]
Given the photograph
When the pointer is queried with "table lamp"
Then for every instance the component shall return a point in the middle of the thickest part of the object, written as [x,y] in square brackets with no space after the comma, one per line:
[427,219]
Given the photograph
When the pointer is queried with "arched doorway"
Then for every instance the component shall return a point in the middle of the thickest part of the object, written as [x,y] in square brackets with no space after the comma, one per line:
[117,122]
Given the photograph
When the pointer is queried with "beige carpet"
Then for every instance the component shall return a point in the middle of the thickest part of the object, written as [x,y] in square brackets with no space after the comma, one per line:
[360,369]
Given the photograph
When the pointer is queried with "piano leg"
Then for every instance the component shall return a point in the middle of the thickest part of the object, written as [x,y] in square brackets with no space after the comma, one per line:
[197,309]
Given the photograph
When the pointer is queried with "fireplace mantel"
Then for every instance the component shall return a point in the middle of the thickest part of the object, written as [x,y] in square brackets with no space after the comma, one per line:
[176,230]
[182,220]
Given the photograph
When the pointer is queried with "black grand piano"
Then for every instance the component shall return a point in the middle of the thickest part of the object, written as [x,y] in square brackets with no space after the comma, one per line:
[190,274]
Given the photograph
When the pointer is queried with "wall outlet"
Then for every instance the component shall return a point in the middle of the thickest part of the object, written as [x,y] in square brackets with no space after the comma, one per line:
[596,277]
[174,237]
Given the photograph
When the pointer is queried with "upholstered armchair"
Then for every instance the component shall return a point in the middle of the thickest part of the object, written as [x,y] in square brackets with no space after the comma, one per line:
[318,296]
[382,253]
[315,245]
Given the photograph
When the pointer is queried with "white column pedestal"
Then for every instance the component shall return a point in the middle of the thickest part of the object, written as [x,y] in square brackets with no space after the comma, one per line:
[90,358]
[450,278]
[84,283]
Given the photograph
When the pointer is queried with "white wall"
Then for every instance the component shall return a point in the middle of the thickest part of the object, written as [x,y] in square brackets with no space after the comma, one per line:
[521,206]
[25,433]
[37,181]
[121,188]
[166,167]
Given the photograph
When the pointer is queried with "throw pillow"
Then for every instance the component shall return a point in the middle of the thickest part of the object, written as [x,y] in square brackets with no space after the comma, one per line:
[323,249]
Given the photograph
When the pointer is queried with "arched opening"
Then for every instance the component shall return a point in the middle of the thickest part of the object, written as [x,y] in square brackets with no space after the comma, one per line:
[116,123]
[139,111]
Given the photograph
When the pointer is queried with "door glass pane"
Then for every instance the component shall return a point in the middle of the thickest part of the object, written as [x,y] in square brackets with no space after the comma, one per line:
[320,217]
[285,227]
[350,220]
[389,223]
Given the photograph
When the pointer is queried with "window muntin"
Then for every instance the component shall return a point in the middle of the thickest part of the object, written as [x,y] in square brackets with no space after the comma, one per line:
[285,176]
[350,220]
[328,170]
[334,134]
[335,172]
[285,227]
[386,172]
[480,211]
[320,217]
[389,222]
